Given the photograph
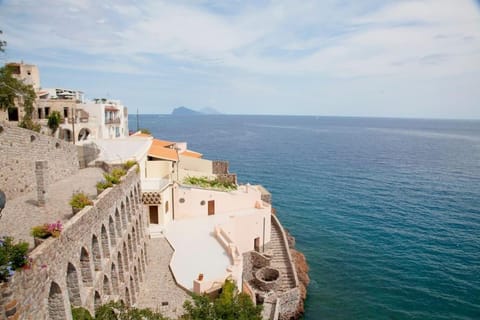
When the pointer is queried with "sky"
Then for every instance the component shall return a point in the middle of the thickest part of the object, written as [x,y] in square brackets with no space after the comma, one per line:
[381,58]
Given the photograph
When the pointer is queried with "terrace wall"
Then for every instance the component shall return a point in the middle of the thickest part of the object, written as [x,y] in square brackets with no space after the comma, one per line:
[99,256]
[20,148]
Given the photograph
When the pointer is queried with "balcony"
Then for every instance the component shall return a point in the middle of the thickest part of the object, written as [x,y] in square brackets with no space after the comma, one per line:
[112,121]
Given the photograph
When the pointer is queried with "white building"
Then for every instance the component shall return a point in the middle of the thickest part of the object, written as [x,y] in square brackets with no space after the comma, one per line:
[108,119]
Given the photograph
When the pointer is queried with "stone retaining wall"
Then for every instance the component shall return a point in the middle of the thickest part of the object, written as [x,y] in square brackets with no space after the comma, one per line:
[20,148]
[99,256]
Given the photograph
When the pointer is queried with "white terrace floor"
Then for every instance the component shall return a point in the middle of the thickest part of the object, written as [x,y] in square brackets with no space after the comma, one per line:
[197,250]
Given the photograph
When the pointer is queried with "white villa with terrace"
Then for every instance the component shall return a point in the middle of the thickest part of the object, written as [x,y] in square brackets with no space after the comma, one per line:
[209,229]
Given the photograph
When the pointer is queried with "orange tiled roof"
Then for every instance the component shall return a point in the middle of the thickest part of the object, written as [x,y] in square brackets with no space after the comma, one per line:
[159,149]
[162,143]
[190,153]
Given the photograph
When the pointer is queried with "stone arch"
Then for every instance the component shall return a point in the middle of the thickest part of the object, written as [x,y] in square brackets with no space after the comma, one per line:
[118,223]
[120,267]
[105,248]
[129,209]
[83,134]
[140,271]
[146,253]
[143,261]
[114,276]
[132,287]
[111,231]
[127,297]
[97,255]
[73,286]
[125,257]
[56,305]
[138,233]
[135,196]
[139,190]
[132,202]
[141,229]
[97,300]
[135,238]
[136,278]
[130,247]
[106,286]
[123,214]
[85,268]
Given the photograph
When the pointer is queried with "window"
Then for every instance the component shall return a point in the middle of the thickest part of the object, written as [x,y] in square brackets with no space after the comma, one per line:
[65,112]
[47,111]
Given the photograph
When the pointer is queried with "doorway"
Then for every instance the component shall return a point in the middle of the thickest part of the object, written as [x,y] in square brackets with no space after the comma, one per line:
[153,213]
[256,244]
[211,207]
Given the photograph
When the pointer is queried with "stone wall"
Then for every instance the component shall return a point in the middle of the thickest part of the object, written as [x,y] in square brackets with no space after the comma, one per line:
[100,256]
[20,148]
[220,167]
[87,153]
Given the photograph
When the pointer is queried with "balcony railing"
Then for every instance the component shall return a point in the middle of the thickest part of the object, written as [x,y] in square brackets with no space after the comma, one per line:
[112,121]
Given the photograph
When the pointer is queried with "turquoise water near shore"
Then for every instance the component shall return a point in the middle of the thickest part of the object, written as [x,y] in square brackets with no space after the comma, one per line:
[387,211]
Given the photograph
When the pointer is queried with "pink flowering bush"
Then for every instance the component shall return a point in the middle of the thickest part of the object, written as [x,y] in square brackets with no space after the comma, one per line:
[47,230]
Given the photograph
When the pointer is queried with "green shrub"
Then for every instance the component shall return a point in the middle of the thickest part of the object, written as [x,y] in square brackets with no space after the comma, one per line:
[229,305]
[102,185]
[80,200]
[118,172]
[40,232]
[204,182]
[80,313]
[111,179]
[130,163]
[12,257]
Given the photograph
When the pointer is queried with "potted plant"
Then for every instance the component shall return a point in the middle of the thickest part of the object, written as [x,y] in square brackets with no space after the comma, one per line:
[44,231]
[102,185]
[79,201]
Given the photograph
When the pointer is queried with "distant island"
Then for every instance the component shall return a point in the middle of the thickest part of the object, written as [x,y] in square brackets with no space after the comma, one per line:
[184,111]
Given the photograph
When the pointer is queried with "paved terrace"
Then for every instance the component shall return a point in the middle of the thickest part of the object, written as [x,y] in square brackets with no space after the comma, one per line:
[22,213]
[159,291]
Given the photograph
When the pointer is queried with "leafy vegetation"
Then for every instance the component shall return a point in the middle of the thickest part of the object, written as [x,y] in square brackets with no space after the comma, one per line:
[204,182]
[130,163]
[145,131]
[102,185]
[13,90]
[54,120]
[80,200]
[47,230]
[119,311]
[230,305]
[12,257]
[80,313]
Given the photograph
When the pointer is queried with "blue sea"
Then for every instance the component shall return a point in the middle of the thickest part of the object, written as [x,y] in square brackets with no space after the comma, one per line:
[387,211]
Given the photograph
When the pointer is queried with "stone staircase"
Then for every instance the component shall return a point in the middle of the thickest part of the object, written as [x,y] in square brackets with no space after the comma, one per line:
[278,249]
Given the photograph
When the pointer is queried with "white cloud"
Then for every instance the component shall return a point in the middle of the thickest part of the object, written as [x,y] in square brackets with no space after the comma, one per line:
[252,48]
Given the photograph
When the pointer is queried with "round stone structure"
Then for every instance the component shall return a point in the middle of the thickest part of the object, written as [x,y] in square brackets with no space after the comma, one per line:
[267,278]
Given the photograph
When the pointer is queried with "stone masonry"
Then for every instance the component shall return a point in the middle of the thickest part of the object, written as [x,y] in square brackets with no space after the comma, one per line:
[100,255]
[20,148]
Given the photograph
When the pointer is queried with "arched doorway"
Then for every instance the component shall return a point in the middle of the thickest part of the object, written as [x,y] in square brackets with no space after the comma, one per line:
[83,134]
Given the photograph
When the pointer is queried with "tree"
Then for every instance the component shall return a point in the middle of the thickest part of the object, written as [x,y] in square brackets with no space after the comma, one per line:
[13,90]
[54,120]
[3,43]
[230,305]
